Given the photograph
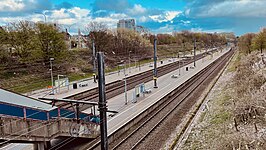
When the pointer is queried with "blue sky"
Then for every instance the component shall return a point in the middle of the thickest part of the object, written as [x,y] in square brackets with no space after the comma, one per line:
[159,16]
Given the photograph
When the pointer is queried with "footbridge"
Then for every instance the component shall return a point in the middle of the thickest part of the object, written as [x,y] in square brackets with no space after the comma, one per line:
[27,120]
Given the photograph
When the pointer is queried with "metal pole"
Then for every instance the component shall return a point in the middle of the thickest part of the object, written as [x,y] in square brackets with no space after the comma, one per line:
[124,67]
[139,66]
[77,113]
[102,102]
[118,71]
[135,59]
[179,67]
[52,80]
[183,47]
[194,52]
[183,66]
[58,83]
[155,63]
[129,63]
[94,64]
[205,55]
[125,89]
[44,17]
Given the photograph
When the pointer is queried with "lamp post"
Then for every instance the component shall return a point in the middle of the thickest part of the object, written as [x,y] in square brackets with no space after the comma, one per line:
[194,52]
[177,53]
[123,61]
[125,80]
[179,67]
[183,47]
[129,63]
[41,14]
[135,62]
[155,62]
[94,59]
[51,70]
[135,55]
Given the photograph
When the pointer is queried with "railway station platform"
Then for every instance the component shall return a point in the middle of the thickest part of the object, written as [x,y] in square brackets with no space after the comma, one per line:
[166,84]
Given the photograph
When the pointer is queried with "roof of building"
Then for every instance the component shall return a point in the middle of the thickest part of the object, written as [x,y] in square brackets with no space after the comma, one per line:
[21,100]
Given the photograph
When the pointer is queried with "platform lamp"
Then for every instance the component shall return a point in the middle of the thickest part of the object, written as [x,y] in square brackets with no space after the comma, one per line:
[94,61]
[155,62]
[51,71]
[194,52]
[42,14]
[129,62]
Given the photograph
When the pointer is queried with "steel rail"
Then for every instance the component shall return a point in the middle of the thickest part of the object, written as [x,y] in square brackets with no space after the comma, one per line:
[176,106]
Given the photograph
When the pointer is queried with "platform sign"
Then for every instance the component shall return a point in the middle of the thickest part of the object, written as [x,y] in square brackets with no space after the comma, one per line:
[137,91]
[62,82]
[134,98]
[142,88]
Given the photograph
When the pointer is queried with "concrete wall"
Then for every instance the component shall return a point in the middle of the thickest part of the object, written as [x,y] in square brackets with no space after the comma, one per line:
[17,129]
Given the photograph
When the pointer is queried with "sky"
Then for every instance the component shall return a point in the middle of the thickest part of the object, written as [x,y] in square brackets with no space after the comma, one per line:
[159,16]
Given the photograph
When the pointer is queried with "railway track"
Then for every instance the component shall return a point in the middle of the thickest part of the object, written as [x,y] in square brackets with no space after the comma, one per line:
[151,131]
[117,87]
[139,132]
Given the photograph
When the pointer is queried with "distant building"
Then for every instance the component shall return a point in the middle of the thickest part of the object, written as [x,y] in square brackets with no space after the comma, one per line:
[126,24]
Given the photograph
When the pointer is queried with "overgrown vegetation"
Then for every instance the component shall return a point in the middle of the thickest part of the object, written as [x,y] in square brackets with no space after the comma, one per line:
[235,118]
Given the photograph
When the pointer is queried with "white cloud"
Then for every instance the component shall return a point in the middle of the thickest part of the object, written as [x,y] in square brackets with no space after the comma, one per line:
[75,15]
[211,30]
[79,13]
[33,18]
[187,12]
[109,21]
[22,7]
[240,8]
[137,10]
[166,16]
[67,21]
[11,5]
[118,15]
[185,22]
[59,14]
[143,19]
[168,29]
[100,11]
[169,15]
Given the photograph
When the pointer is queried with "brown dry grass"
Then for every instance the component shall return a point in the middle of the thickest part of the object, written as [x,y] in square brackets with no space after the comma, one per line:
[240,94]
